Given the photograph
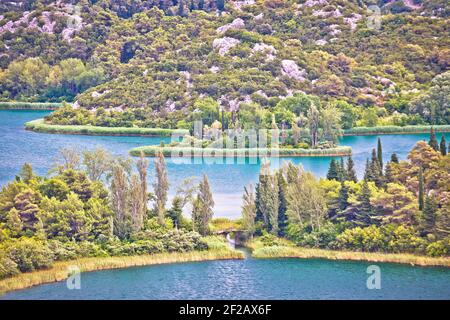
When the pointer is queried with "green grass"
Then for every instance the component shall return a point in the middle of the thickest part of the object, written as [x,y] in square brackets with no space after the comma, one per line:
[395,130]
[151,151]
[16,105]
[59,271]
[286,249]
[39,125]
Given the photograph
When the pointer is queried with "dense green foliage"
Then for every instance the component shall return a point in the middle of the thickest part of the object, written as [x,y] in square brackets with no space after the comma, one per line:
[160,61]
[403,208]
[72,214]
[40,126]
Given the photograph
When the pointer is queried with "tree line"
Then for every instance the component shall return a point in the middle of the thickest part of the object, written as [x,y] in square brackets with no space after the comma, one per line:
[398,206]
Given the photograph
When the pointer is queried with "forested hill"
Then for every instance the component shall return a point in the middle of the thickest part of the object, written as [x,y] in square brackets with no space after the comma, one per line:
[166,55]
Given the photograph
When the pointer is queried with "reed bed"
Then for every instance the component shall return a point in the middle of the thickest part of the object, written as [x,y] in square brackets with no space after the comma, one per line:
[39,125]
[151,151]
[395,130]
[16,105]
[59,271]
[308,253]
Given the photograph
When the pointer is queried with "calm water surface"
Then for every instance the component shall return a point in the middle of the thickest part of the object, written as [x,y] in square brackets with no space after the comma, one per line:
[251,279]
[247,279]
[227,180]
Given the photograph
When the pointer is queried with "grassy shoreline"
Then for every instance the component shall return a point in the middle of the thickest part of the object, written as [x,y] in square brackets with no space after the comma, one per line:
[364,131]
[151,151]
[17,105]
[309,253]
[39,125]
[59,270]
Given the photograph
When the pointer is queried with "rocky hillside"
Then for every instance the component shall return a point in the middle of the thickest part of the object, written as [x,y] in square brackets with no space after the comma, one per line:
[164,56]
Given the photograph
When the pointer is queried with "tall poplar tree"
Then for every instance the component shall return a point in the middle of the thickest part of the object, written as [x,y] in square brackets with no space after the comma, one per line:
[249,210]
[202,212]
[142,166]
[161,187]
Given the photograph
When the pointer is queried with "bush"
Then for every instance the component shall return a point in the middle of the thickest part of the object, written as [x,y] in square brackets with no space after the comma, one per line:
[324,238]
[29,254]
[7,266]
[438,248]
[362,239]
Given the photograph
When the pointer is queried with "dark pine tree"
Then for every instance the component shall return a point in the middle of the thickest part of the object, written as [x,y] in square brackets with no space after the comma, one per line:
[388,173]
[377,174]
[394,158]
[365,209]
[350,171]
[176,212]
[430,208]
[380,154]
[341,171]
[333,170]
[443,146]
[259,215]
[433,141]
[421,189]
[368,175]
[343,198]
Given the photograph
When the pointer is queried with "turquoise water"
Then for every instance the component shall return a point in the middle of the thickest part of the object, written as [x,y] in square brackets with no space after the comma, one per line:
[251,279]
[247,279]
[227,180]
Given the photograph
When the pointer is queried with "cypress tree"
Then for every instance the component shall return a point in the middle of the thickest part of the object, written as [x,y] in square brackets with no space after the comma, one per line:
[333,171]
[433,141]
[421,190]
[350,171]
[380,154]
[394,158]
[443,145]
[202,211]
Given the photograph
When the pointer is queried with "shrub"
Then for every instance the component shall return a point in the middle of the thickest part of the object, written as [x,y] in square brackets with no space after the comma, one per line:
[363,239]
[29,254]
[7,266]
[438,248]
[323,238]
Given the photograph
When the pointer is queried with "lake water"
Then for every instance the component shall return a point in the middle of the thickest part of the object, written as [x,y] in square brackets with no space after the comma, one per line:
[252,279]
[238,279]
[18,145]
